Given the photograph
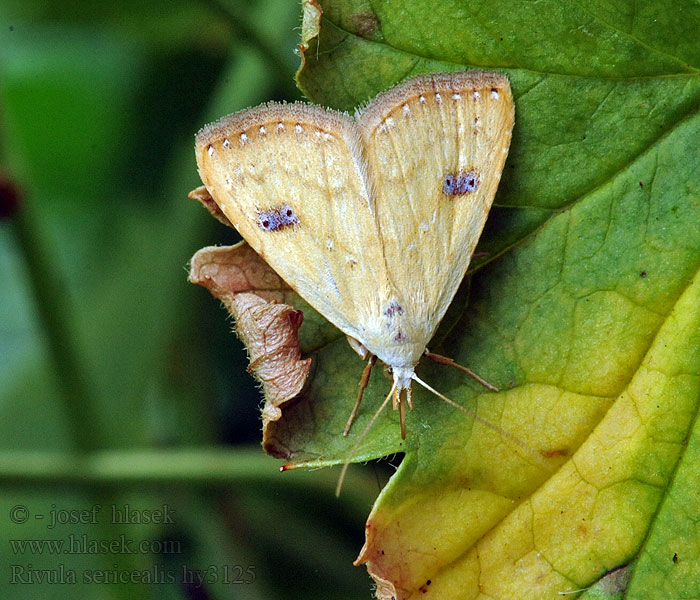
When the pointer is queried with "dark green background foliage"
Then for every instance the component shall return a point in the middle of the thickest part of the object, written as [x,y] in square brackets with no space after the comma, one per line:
[106,352]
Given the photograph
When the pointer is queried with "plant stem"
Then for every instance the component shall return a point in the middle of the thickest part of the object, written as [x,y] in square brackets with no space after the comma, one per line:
[189,467]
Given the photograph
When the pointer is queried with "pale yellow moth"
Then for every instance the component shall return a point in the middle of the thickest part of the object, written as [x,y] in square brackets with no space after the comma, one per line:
[371,219]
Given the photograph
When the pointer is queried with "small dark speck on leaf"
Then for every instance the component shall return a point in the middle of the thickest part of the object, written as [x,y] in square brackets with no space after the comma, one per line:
[554,452]
[501,39]
[643,274]
[641,185]
[675,557]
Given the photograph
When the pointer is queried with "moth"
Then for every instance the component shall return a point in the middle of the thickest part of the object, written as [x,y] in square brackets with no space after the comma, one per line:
[371,218]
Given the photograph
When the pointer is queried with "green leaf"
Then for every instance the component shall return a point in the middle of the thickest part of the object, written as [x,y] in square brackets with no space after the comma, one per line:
[585,310]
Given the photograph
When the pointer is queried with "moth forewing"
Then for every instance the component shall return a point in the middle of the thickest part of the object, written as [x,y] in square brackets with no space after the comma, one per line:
[437,145]
[287,177]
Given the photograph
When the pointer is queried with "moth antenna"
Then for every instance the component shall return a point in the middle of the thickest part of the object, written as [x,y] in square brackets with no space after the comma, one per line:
[445,360]
[361,439]
[364,380]
[509,436]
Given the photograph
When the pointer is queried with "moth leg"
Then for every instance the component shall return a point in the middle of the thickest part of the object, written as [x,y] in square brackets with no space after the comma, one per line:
[397,399]
[362,352]
[402,415]
[444,360]
[364,380]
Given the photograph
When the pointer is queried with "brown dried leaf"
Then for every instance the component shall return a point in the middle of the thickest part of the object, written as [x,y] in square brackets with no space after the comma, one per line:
[229,270]
[269,331]
[253,294]
[202,195]
[311,22]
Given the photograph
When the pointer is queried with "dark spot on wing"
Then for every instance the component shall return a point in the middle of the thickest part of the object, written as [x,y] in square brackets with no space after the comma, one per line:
[458,184]
[277,217]
[288,216]
[394,308]
[400,338]
[268,220]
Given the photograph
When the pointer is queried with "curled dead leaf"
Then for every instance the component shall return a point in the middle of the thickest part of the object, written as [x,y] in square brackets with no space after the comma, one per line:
[310,24]
[202,195]
[229,270]
[253,294]
[269,331]
[370,555]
